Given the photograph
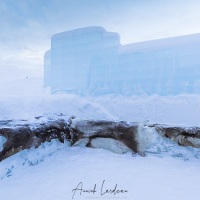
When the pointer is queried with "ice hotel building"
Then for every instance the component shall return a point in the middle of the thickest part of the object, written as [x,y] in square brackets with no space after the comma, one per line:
[91,61]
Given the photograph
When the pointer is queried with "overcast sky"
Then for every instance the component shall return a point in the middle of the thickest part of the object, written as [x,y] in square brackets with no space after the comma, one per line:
[26,26]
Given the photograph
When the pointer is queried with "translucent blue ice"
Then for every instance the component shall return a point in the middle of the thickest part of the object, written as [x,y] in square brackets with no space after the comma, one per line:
[91,61]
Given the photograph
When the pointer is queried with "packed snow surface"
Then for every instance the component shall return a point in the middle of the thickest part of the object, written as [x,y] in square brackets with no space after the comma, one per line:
[168,172]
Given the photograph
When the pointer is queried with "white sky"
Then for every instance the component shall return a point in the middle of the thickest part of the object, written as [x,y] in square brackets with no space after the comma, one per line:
[26,26]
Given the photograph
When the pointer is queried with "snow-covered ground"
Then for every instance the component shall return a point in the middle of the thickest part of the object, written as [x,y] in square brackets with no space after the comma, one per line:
[53,170]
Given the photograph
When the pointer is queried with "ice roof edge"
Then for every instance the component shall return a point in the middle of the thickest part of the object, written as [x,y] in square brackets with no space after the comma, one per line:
[163,42]
[78,31]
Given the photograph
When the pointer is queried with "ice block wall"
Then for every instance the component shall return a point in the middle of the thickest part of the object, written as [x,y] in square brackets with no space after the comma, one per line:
[83,60]
[91,61]
[165,67]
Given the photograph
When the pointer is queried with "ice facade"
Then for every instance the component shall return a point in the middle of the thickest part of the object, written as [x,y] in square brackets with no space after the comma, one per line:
[91,61]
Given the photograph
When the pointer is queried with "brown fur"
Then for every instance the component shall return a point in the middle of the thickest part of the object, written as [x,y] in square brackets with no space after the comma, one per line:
[121,131]
[25,138]
[183,136]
